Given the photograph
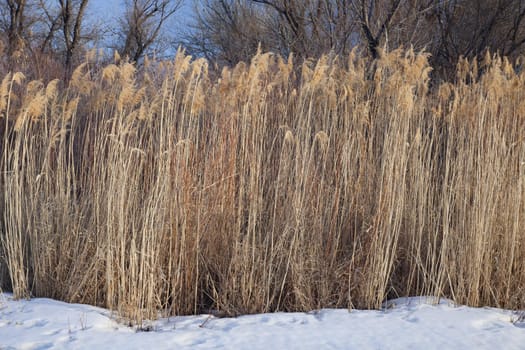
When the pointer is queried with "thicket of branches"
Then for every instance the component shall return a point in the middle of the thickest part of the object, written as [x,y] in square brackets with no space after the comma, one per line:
[42,36]
[49,38]
[231,30]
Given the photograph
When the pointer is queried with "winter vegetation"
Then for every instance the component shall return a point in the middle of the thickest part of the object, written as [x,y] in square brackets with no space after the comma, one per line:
[269,187]
[297,155]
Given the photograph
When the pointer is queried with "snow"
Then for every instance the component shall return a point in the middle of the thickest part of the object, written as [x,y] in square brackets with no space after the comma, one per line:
[411,323]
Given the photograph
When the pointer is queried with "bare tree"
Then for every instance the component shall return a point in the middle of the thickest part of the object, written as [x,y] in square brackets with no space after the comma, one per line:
[231,30]
[312,27]
[142,23]
[293,16]
[72,14]
[228,31]
[49,26]
[15,24]
[470,27]
[395,23]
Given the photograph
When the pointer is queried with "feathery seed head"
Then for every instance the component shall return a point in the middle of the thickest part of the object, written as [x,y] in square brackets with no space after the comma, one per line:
[322,139]
[52,89]
[36,106]
[116,57]
[71,109]
[78,73]
[18,78]
[34,87]
[91,55]
[4,92]
[110,73]
[289,138]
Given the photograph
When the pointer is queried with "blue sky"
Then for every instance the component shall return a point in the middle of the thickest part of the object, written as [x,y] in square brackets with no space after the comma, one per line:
[105,13]
[107,10]
[111,8]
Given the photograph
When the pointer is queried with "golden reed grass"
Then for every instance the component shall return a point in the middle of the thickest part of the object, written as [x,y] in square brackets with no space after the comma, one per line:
[268,187]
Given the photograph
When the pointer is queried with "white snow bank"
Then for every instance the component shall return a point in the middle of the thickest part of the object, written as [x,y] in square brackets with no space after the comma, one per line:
[404,324]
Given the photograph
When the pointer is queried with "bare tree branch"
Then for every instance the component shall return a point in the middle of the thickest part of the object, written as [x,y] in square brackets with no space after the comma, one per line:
[142,25]
[72,16]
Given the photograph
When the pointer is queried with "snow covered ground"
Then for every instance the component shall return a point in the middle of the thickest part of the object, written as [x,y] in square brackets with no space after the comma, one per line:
[404,324]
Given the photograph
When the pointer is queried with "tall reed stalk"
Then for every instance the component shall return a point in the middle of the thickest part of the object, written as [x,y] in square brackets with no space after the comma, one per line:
[268,187]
